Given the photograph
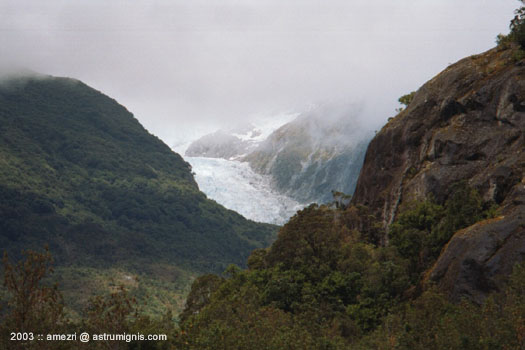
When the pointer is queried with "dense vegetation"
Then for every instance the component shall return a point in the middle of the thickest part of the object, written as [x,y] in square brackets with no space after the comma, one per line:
[35,311]
[326,284]
[421,231]
[247,310]
[113,202]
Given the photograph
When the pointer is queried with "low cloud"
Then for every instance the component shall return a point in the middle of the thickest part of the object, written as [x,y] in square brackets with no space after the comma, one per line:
[186,67]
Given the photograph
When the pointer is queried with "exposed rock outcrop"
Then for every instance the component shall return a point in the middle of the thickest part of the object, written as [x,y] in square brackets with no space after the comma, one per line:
[467,123]
[320,151]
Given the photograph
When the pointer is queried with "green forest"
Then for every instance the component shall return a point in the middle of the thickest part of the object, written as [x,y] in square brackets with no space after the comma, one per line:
[113,203]
[323,284]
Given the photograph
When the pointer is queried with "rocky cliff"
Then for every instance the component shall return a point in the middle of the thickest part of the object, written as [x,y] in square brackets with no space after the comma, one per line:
[319,152]
[467,123]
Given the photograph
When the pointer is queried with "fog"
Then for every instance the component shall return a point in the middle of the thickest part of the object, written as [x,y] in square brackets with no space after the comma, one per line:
[334,125]
[188,67]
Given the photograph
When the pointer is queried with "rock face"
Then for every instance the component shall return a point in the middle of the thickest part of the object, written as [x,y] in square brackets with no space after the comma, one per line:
[317,153]
[467,123]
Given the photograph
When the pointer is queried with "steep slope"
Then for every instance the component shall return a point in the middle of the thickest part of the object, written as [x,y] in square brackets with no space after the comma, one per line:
[309,157]
[467,124]
[78,172]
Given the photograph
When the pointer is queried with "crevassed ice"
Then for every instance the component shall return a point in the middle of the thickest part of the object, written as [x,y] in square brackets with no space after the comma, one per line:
[236,186]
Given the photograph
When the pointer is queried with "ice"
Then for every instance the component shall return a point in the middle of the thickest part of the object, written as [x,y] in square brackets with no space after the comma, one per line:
[236,186]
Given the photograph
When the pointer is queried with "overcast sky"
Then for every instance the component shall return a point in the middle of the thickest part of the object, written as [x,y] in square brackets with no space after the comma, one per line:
[183,67]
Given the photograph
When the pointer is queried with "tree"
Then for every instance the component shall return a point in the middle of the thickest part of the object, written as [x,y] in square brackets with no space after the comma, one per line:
[113,314]
[517,26]
[200,294]
[33,307]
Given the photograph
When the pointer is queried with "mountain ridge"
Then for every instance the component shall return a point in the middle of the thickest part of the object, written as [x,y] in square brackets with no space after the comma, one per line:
[81,174]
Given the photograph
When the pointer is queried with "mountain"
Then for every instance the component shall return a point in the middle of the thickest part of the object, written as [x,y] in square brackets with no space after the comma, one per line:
[428,254]
[319,152]
[216,160]
[466,124]
[113,202]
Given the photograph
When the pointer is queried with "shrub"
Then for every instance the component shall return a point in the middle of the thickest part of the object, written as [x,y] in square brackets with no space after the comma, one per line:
[405,100]
[421,231]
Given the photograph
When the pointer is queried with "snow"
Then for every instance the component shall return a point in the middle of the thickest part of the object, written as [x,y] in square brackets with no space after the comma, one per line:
[236,186]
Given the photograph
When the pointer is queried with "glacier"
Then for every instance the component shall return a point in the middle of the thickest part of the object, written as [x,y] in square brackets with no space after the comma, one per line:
[236,186]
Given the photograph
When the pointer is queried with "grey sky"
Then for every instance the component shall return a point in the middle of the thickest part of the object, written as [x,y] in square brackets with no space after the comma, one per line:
[183,67]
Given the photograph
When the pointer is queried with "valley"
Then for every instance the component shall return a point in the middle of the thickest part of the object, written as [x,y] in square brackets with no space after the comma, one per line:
[296,175]
[268,173]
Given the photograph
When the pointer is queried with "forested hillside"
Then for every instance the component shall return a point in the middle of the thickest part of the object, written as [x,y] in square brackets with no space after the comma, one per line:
[80,174]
